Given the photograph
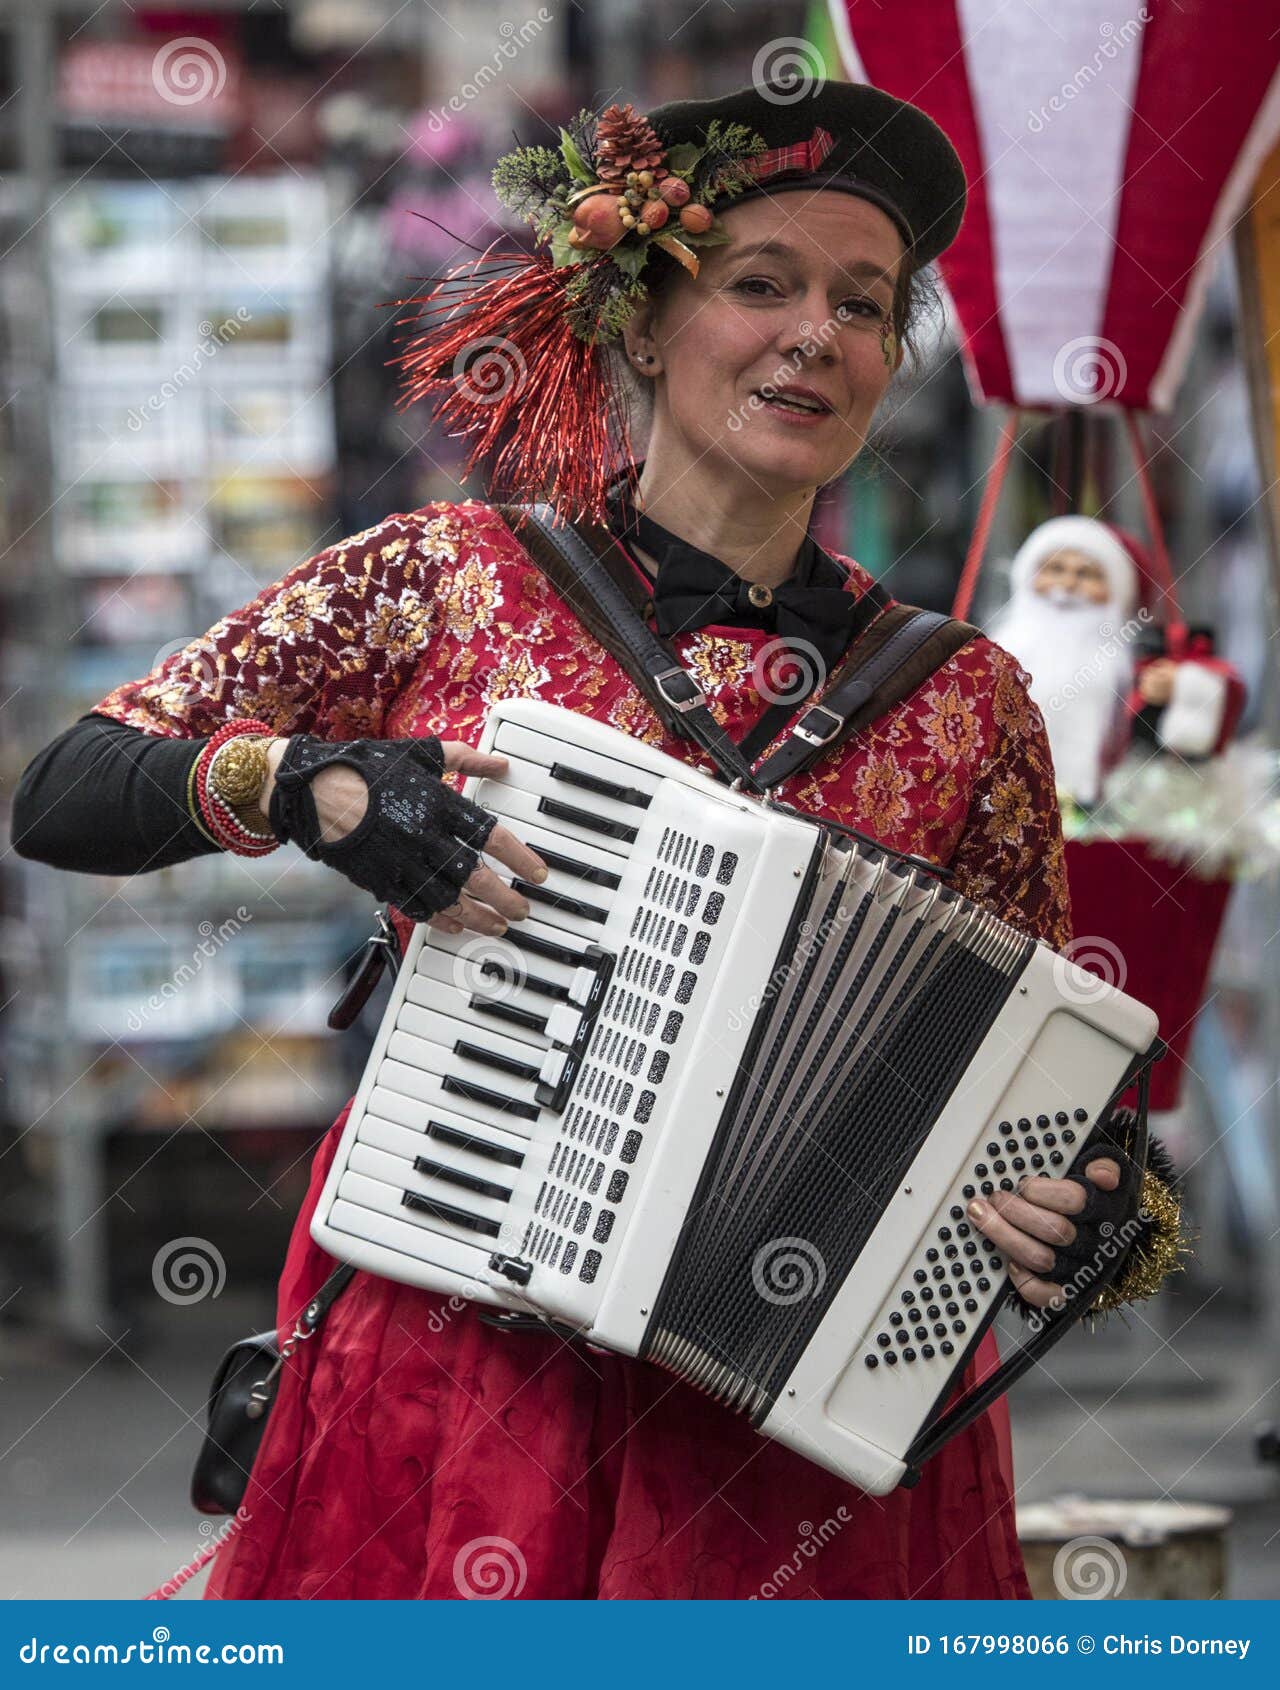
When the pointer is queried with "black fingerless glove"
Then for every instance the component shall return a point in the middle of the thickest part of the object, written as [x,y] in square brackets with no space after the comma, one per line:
[1108,1225]
[416,844]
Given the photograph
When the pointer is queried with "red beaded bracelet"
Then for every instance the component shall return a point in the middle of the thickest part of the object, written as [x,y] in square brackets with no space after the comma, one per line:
[220,820]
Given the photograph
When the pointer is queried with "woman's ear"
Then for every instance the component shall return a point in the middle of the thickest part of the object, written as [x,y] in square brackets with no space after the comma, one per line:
[638,338]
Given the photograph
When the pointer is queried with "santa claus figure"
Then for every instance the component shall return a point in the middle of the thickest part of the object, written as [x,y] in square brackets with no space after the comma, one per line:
[1078,621]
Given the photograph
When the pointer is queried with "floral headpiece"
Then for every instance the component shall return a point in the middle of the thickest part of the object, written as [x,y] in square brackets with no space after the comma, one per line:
[515,356]
[611,194]
[515,346]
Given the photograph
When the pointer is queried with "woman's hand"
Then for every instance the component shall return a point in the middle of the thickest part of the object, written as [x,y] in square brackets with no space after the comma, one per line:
[488,903]
[415,872]
[1030,1223]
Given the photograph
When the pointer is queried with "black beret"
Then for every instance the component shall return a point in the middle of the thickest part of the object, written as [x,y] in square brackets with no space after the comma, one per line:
[875,146]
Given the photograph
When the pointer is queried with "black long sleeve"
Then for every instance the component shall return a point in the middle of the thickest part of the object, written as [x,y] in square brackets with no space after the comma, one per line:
[105,798]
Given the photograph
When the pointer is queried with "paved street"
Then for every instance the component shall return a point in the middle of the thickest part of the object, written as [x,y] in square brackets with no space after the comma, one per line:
[95,1454]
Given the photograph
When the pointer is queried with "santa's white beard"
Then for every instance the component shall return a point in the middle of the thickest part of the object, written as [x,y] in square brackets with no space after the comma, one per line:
[1081,670]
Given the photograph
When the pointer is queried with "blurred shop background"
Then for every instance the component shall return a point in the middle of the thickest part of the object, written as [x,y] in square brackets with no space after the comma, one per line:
[203,212]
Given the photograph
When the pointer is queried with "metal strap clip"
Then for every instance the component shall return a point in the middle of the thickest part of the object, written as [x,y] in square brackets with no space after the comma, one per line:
[810,735]
[696,701]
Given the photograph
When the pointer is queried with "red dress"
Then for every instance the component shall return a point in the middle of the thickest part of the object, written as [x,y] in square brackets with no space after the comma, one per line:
[413,1451]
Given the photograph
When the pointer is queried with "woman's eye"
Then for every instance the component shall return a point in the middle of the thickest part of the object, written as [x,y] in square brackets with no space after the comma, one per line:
[760,286]
[867,309]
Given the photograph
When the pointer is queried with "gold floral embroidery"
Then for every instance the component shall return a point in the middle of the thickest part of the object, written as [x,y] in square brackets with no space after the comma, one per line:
[515,675]
[470,599]
[717,662]
[1010,704]
[879,792]
[421,622]
[356,718]
[1010,809]
[950,725]
[290,616]
[401,625]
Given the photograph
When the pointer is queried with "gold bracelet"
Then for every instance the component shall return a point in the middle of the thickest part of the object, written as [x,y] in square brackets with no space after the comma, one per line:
[193,808]
[237,775]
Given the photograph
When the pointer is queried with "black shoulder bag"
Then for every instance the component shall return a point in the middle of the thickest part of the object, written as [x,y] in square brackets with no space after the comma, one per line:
[894,650]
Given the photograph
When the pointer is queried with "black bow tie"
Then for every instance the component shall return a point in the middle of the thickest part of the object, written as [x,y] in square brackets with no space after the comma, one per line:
[693,589]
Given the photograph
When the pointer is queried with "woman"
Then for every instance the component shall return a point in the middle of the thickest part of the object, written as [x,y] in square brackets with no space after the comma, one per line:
[413,1451]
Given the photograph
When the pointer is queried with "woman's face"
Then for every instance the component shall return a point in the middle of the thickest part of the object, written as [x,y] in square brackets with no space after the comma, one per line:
[800,300]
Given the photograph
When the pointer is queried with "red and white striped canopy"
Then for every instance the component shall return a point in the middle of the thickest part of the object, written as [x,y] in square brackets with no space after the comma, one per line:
[1109,146]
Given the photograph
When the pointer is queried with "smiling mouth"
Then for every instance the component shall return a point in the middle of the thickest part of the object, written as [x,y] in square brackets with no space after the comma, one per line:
[792,402]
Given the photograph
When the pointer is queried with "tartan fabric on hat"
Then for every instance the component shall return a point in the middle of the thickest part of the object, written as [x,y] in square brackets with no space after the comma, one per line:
[845,136]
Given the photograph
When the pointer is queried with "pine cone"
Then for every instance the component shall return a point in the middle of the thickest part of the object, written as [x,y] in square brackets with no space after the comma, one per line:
[624,141]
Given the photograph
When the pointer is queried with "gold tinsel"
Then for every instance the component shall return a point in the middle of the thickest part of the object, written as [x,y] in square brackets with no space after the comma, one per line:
[1158,1256]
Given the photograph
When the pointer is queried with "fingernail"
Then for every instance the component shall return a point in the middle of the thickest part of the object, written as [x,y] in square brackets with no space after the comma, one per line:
[541,873]
[977,1211]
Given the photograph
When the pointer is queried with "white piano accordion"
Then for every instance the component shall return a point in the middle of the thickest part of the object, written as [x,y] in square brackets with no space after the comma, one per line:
[719,1102]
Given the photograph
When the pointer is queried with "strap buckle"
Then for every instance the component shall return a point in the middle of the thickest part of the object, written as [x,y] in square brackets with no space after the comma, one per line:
[813,736]
[697,700]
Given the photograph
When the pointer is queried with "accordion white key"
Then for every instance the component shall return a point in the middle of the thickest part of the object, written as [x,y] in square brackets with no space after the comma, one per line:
[719,1102]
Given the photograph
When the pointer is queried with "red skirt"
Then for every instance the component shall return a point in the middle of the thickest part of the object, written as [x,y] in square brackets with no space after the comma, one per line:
[414,1452]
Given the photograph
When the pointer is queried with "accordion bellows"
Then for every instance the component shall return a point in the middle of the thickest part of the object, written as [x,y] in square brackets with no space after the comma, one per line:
[721,1100]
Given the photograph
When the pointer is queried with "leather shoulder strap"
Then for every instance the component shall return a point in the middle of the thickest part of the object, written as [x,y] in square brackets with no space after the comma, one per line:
[605,602]
[889,660]
[901,648]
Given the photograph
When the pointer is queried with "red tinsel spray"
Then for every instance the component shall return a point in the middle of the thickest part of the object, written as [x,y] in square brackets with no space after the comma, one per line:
[495,351]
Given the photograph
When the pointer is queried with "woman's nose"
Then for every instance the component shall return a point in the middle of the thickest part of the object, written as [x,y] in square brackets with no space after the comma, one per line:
[809,332]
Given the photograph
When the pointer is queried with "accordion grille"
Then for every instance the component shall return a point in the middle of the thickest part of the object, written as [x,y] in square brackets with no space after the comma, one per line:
[856,1051]
[672,934]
